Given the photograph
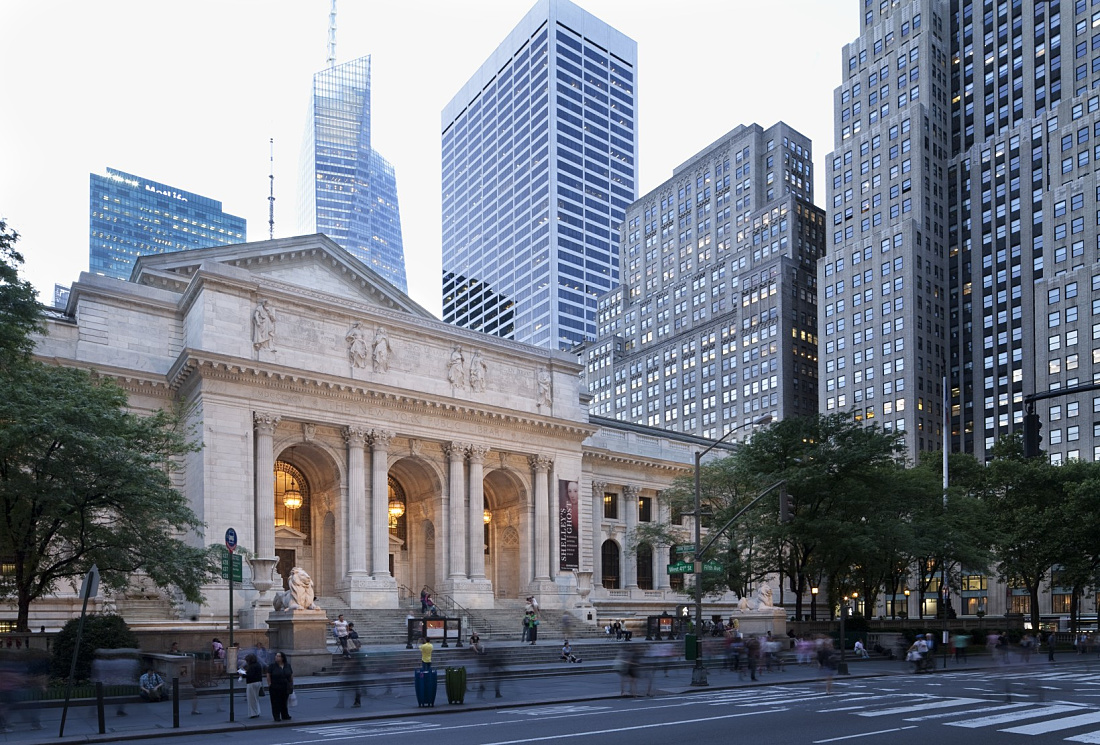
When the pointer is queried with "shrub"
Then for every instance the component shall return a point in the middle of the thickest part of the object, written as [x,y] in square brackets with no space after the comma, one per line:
[100,632]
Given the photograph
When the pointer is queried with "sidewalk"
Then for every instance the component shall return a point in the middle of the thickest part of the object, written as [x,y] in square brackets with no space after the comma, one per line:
[327,700]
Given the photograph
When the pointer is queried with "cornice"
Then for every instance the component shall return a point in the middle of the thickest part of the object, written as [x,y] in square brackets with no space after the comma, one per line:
[134,381]
[248,372]
[638,461]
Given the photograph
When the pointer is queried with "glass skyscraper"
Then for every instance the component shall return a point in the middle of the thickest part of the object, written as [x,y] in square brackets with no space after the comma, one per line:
[539,155]
[347,190]
[131,216]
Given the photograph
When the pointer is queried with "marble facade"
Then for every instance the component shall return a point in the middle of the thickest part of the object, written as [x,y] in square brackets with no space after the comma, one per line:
[306,374]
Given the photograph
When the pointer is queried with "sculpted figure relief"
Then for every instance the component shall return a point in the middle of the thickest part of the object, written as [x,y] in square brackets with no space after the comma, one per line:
[544,387]
[263,326]
[357,345]
[380,350]
[477,372]
[456,374]
[299,596]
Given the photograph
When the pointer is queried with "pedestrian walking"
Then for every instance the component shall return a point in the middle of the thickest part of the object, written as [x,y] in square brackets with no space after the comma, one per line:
[253,682]
[280,685]
[827,659]
[424,600]
[340,631]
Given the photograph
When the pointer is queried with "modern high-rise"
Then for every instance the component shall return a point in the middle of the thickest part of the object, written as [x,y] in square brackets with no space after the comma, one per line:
[963,200]
[715,322]
[131,216]
[346,189]
[539,153]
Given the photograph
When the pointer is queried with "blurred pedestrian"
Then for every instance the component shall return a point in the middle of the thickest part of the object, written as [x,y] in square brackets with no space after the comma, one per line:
[280,684]
[254,683]
[826,657]
[116,667]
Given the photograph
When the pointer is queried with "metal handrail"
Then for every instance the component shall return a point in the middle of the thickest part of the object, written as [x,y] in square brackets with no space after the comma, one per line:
[449,605]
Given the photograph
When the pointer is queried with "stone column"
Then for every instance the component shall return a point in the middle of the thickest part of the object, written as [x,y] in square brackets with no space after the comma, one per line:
[457,484]
[380,503]
[630,558]
[541,543]
[597,532]
[356,508]
[476,520]
[450,500]
[664,516]
[263,563]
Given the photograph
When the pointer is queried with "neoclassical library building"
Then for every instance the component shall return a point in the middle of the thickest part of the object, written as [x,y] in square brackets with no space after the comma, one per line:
[347,431]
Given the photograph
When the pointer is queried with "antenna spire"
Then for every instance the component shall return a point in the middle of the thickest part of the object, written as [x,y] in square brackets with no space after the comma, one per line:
[332,35]
[271,190]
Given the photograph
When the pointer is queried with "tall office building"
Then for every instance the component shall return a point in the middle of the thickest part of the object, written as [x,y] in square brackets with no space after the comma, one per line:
[539,153]
[131,216]
[715,323]
[346,189]
[883,316]
[964,184]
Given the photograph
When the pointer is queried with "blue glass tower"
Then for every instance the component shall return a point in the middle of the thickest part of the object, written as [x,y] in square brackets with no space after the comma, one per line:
[538,169]
[132,216]
[347,190]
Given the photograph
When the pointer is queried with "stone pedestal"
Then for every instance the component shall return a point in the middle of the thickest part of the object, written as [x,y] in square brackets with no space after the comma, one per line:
[360,590]
[759,622]
[471,593]
[301,635]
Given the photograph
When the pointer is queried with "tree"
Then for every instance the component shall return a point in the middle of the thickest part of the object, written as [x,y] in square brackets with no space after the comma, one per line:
[19,308]
[83,481]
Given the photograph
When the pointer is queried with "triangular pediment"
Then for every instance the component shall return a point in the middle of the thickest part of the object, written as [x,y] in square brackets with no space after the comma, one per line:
[311,262]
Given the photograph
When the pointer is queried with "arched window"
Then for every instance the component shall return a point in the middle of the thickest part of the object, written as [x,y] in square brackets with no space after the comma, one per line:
[609,565]
[292,498]
[645,567]
[676,581]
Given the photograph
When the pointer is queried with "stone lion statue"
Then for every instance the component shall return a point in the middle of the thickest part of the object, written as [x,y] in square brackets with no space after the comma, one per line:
[299,596]
[762,600]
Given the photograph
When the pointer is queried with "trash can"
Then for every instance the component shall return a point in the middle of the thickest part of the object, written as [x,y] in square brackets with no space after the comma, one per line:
[456,684]
[691,646]
[425,682]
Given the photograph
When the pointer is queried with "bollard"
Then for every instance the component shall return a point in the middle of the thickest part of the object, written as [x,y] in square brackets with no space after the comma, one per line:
[175,703]
[99,707]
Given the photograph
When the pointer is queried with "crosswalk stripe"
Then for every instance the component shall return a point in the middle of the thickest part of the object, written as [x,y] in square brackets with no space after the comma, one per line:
[1093,737]
[1039,711]
[948,714]
[1054,725]
[924,706]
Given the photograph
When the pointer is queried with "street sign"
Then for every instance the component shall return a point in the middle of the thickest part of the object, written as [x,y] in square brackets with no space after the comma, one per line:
[231,539]
[680,567]
[90,587]
[685,548]
[712,566]
[237,564]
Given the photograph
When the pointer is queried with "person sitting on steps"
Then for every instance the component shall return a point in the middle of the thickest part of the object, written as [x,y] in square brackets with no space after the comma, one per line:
[567,652]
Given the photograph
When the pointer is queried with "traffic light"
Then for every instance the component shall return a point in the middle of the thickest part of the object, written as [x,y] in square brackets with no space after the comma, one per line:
[1033,436]
[786,509]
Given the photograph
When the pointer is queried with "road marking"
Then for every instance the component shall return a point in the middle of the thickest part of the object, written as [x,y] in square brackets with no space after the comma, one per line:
[865,734]
[1055,724]
[922,707]
[546,711]
[1041,711]
[1093,737]
[949,714]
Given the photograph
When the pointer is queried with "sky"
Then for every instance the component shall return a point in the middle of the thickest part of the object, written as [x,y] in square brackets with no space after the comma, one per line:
[189,94]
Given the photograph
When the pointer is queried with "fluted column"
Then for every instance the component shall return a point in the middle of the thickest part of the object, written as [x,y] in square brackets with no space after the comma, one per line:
[597,532]
[476,520]
[264,500]
[380,503]
[664,516]
[356,515]
[541,544]
[452,519]
[630,558]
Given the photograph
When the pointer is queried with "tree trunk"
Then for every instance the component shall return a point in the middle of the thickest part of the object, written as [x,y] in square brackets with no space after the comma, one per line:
[1033,592]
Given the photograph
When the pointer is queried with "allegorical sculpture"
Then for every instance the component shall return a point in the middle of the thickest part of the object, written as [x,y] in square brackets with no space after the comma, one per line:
[299,596]
[263,326]
[380,350]
[456,374]
[357,345]
[478,371]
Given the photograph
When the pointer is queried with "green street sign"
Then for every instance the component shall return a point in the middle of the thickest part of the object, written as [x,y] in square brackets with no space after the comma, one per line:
[685,548]
[681,567]
[238,567]
[712,566]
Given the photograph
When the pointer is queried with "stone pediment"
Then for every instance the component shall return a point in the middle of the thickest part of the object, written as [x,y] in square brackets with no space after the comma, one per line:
[311,262]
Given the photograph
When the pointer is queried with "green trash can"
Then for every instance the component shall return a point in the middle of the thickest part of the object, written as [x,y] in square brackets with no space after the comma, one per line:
[456,684]
[691,646]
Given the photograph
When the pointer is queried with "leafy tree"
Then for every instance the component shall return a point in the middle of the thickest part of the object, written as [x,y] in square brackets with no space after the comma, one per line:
[19,308]
[83,481]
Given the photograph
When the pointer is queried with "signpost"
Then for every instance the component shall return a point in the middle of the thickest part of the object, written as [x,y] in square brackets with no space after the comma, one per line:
[231,570]
[89,589]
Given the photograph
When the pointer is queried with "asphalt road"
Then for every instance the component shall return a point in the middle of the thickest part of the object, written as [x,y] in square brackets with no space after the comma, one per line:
[1017,705]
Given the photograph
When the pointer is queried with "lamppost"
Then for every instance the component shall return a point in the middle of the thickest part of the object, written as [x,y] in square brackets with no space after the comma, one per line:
[813,602]
[699,673]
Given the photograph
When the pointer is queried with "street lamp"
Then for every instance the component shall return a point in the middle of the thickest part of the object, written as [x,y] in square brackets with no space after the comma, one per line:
[813,603]
[699,673]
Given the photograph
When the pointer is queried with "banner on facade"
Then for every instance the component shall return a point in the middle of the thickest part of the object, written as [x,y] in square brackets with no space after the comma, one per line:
[569,548]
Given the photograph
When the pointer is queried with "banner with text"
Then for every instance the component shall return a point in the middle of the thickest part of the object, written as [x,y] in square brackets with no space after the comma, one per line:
[569,547]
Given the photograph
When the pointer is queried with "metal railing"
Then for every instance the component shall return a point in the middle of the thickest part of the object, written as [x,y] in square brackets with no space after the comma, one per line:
[448,606]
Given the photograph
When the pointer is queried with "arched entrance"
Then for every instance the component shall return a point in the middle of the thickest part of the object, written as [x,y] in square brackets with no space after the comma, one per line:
[505,499]
[306,499]
[415,485]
